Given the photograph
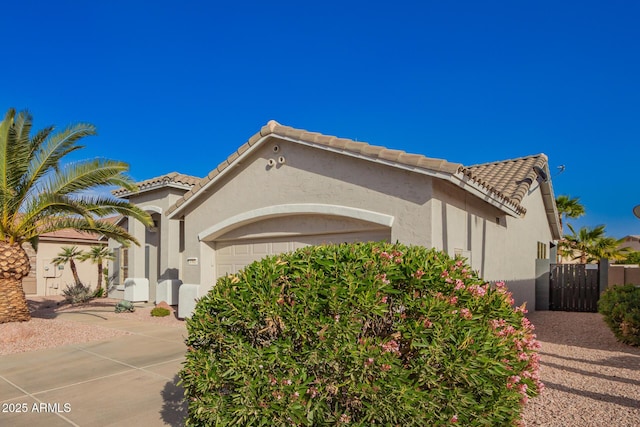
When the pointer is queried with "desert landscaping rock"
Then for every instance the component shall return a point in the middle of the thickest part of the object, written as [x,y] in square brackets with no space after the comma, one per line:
[591,379]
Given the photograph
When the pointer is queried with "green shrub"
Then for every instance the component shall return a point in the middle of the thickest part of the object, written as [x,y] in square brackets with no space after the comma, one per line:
[125,306]
[78,293]
[620,306]
[98,293]
[160,312]
[358,334]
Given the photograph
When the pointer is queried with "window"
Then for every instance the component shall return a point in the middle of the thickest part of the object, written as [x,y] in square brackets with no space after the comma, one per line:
[542,250]
[124,265]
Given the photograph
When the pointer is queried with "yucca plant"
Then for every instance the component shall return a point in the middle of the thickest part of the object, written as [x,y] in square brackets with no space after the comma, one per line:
[40,194]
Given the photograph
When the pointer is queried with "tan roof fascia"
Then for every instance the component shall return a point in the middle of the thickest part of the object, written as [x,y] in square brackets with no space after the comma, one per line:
[549,200]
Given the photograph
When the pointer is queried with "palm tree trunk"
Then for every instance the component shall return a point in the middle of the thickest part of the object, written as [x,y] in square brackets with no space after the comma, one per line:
[14,265]
[99,275]
[74,271]
[13,302]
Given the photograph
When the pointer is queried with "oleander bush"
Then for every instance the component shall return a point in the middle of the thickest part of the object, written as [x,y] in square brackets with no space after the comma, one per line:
[77,293]
[620,306]
[125,306]
[358,334]
[160,312]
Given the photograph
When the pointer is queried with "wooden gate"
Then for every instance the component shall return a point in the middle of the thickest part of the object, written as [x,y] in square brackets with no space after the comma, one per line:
[574,287]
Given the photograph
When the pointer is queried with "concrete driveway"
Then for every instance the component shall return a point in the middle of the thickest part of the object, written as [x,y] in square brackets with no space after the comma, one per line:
[127,380]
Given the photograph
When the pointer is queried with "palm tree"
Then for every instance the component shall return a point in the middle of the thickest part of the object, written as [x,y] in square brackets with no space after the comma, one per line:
[569,208]
[68,255]
[609,248]
[591,244]
[38,194]
[98,255]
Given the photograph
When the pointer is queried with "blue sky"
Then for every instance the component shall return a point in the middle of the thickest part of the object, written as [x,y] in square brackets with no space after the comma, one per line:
[180,85]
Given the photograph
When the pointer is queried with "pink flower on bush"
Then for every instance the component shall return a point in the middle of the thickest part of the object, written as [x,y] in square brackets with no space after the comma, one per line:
[478,291]
[312,391]
[522,309]
[369,361]
[391,347]
[453,300]
[384,299]
[383,278]
[385,367]
[418,274]
[444,274]
[454,419]
[465,313]
[459,285]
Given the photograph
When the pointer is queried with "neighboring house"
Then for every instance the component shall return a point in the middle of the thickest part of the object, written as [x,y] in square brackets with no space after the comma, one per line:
[632,241]
[46,279]
[286,188]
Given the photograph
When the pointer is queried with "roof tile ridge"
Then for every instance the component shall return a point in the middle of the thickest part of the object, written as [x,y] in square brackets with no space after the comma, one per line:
[497,162]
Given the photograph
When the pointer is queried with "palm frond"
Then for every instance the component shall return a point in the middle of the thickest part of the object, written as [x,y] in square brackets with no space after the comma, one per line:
[100,227]
[80,176]
[49,151]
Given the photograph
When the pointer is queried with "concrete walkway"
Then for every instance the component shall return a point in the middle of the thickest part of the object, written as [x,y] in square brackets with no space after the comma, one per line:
[130,380]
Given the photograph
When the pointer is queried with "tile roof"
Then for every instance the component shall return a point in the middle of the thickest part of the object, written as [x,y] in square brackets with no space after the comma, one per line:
[510,178]
[507,181]
[170,179]
[69,234]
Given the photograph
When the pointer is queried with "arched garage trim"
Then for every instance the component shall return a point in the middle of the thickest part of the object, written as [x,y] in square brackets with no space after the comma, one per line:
[248,217]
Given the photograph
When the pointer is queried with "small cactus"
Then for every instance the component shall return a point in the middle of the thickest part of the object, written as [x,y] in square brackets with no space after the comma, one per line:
[125,306]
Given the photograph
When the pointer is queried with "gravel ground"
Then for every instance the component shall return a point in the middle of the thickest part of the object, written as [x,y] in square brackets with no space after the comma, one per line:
[591,379]
[44,330]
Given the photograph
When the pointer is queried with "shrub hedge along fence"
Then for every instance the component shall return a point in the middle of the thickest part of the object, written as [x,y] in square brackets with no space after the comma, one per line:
[358,334]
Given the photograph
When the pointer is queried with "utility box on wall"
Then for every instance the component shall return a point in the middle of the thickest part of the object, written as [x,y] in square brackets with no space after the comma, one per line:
[49,270]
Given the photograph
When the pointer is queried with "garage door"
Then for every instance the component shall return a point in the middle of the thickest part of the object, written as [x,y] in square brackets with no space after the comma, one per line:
[233,256]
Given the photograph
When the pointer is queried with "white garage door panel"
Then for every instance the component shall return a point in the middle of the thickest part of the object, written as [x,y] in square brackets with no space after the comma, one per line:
[233,256]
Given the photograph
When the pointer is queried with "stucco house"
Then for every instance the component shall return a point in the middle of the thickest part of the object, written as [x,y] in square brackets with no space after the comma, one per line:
[286,188]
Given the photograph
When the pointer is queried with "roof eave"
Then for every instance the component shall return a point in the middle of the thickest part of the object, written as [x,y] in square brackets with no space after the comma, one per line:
[124,193]
[549,200]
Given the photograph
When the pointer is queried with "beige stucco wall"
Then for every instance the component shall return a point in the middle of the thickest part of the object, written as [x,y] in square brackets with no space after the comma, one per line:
[423,210]
[309,175]
[160,245]
[50,279]
[500,246]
